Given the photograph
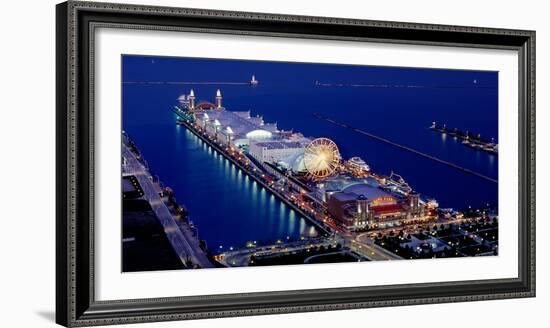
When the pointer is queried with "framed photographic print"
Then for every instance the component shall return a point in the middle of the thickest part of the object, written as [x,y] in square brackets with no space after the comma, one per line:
[214,163]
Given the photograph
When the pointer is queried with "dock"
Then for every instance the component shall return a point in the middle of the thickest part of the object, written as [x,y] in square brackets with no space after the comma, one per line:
[468,139]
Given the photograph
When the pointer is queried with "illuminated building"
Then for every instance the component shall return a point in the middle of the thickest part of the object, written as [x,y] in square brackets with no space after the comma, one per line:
[413,202]
[218,99]
[183,101]
[362,206]
[357,167]
[231,127]
[191,99]
[275,151]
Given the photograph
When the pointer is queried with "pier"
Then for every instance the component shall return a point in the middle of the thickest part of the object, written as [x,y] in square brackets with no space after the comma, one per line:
[184,121]
[468,139]
[332,233]
[406,148]
[241,139]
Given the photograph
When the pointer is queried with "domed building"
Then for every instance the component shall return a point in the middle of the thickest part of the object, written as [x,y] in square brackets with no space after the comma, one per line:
[294,162]
[362,203]
[237,128]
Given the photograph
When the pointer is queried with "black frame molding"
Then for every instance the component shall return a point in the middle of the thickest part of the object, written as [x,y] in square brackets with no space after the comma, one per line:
[75,26]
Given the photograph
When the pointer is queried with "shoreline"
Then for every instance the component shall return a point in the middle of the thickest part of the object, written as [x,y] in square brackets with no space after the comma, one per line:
[181,235]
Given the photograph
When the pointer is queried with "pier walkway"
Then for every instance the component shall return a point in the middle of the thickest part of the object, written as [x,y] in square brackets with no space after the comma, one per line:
[183,242]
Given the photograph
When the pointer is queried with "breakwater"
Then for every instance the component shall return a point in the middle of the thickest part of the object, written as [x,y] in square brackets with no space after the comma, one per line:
[403,147]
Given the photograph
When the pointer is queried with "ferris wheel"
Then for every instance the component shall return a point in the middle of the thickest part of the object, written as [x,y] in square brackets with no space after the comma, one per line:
[321,158]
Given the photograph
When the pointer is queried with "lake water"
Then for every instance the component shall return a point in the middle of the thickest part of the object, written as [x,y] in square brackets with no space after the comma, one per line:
[230,209]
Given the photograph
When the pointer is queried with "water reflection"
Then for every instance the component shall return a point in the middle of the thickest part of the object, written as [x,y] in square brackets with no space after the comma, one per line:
[215,188]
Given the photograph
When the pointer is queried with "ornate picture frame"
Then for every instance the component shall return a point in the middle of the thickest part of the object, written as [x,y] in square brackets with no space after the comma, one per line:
[77,22]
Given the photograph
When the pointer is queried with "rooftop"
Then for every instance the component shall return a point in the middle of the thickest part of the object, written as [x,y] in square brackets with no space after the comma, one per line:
[366,190]
[345,196]
[241,123]
[343,181]
[279,144]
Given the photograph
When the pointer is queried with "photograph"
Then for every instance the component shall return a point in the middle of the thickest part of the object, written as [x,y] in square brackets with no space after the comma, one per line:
[247,163]
[243,161]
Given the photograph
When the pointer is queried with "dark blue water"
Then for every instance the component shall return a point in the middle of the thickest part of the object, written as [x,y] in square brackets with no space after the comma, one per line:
[218,196]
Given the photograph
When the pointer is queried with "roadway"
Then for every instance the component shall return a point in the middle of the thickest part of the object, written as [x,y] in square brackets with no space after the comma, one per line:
[241,257]
[358,257]
[365,246]
[183,243]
